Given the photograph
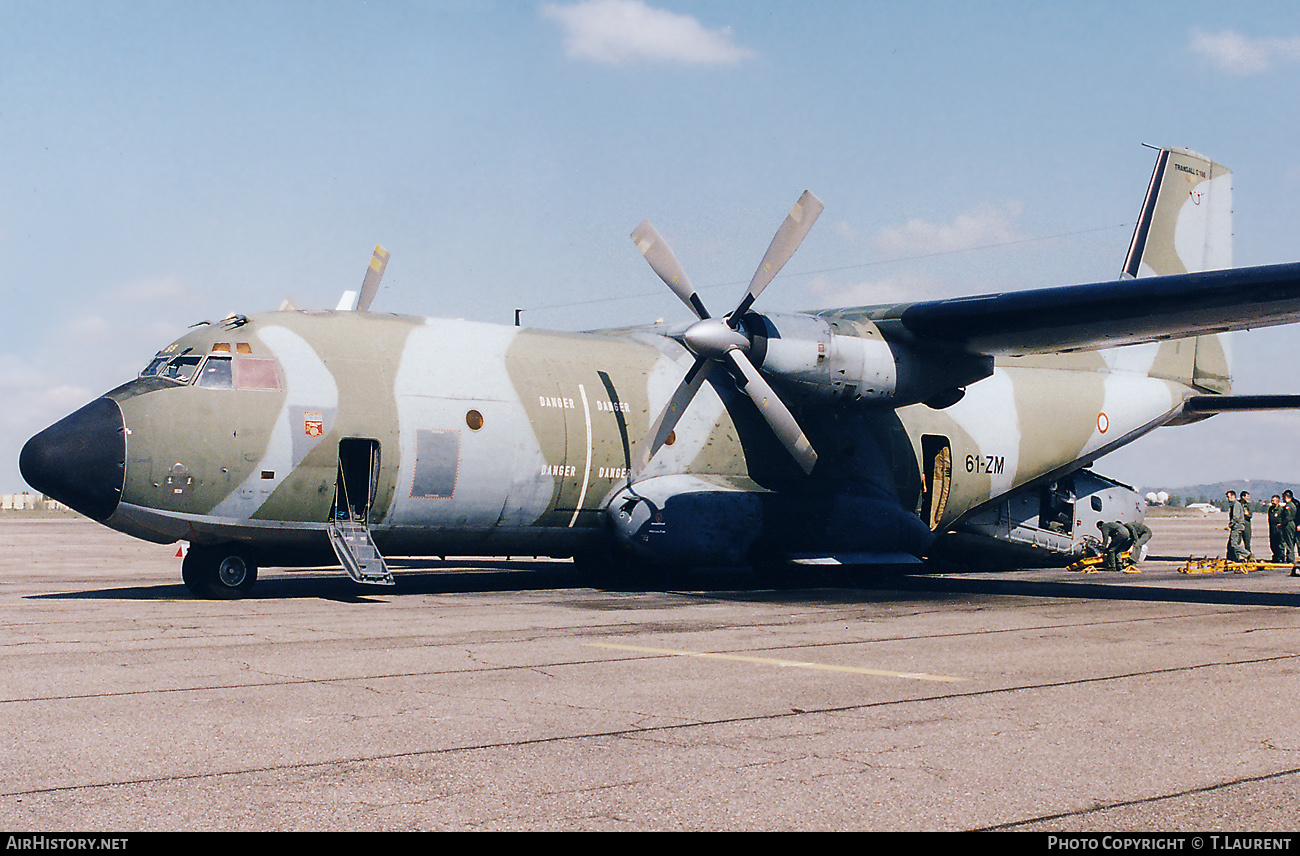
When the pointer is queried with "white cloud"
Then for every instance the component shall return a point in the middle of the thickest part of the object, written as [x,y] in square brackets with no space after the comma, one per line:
[917,241]
[1238,54]
[901,287]
[113,333]
[34,396]
[982,227]
[620,31]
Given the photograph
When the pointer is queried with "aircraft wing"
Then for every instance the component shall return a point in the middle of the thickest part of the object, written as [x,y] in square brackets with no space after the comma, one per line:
[1099,315]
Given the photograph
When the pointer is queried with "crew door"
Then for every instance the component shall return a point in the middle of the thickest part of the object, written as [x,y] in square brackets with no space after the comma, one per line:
[358,479]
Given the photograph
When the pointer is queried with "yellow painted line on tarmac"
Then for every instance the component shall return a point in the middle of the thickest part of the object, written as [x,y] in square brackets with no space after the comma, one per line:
[769,661]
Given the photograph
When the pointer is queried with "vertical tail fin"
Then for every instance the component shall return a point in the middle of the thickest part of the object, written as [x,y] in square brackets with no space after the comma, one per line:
[1186,221]
[1186,227]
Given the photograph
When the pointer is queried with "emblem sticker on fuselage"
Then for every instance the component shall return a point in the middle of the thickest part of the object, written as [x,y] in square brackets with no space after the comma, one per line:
[313,423]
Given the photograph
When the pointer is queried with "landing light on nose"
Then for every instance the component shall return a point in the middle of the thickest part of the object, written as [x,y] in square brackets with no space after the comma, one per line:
[81,459]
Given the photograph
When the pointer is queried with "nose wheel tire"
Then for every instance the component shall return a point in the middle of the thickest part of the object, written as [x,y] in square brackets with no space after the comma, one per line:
[221,572]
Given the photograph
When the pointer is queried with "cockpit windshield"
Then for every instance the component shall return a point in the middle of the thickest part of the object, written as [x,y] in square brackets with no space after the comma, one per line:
[155,366]
[218,371]
[182,368]
[216,374]
[178,368]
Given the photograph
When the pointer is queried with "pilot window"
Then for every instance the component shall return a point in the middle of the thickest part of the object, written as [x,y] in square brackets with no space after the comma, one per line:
[216,374]
[182,368]
[155,366]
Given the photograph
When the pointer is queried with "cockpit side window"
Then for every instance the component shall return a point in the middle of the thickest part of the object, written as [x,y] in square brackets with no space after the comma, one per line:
[155,366]
[182,368]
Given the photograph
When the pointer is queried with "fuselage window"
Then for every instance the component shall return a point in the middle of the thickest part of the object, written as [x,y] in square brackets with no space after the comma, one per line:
[216,374]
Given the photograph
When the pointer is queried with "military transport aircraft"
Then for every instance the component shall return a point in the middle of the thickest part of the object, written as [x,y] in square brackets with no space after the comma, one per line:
[875,434]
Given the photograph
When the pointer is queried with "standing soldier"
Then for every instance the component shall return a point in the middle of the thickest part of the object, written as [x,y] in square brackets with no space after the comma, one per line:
[1246,512]
[1236,526]
[1275,527]
[1290,511]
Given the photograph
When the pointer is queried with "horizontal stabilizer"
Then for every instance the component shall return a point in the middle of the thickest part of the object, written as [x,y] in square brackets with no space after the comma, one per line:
[1240,403]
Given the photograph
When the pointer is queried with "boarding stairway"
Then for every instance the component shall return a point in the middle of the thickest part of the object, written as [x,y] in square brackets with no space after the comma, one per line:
[357,552]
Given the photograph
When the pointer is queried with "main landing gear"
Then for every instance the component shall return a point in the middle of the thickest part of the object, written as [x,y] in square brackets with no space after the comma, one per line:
[224,571]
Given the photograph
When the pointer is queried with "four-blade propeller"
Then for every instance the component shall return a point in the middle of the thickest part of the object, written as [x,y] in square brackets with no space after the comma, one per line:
[720,340]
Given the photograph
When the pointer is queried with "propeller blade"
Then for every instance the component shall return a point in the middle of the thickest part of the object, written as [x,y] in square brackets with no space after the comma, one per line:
[661,259]
[773,410]
[787,239]
[667,421]
[370,285]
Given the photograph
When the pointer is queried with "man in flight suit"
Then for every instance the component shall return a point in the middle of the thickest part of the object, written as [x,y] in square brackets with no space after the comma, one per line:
[1275,527]
[1245,535]
[1141,535]
[1289,513]
[1236,526]
[1115,539]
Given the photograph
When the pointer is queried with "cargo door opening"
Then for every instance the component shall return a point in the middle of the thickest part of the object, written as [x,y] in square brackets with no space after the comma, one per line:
[1056,507]
[358,479]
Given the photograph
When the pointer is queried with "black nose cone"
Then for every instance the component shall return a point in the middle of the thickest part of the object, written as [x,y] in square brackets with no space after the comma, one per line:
[81,459]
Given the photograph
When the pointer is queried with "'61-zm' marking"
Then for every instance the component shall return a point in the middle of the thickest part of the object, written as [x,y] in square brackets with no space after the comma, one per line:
[991,464]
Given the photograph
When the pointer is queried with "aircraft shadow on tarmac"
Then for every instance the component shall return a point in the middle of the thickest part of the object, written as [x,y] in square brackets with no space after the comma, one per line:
[838,585]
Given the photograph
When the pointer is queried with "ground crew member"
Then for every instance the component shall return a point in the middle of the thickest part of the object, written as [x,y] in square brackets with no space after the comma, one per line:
[1275,527]
[1245,536]
[1290,510]
[1115,539]
[1236,526]
[1141,535]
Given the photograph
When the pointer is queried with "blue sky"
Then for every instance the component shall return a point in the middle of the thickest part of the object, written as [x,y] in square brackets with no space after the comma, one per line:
[163,163]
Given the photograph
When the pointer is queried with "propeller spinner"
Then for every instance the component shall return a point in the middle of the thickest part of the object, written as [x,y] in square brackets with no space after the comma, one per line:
[719,340]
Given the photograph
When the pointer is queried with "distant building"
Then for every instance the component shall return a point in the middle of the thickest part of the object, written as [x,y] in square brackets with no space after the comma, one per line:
[1204,508]
[29,502]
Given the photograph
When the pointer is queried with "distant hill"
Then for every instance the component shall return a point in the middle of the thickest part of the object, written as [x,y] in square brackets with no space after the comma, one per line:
[1260,490]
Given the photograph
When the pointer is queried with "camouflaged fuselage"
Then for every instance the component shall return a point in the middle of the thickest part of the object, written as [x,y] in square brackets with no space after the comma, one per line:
[501,440]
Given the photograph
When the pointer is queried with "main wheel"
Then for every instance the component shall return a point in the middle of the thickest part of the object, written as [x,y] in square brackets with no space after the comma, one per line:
[223,572]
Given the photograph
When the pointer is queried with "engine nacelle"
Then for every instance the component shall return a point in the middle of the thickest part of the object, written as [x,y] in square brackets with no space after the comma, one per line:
[683,519]
[831,358]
